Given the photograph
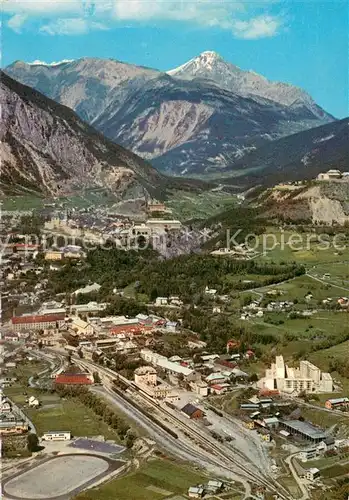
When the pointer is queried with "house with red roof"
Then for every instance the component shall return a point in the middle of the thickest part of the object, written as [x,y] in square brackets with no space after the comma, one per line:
[233,344]
[219,388]
[74,379]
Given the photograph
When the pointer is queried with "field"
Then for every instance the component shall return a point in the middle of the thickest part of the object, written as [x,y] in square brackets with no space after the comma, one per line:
[304,248]
[156,480]
[326,420]
[289,483]
[56,413]
[186,206]
[338,271]
[296,335]
[24,203]
[339,351]
[299,287]
[257,279]
[19,392]
[130,291]
[26,369]
[70,415]
[330,467]
[97,196]
[335,471]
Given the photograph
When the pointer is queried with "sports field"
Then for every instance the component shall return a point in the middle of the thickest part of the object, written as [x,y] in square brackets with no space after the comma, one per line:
[72,415]
[57,477]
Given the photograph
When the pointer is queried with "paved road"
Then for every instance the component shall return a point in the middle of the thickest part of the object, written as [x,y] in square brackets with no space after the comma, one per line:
[326,282]
[301,485]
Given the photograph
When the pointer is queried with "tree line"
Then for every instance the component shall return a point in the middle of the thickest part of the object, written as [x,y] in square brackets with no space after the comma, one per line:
[100,408]
[184,275]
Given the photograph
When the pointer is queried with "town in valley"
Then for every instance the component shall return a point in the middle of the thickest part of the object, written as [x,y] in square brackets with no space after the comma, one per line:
[174,263]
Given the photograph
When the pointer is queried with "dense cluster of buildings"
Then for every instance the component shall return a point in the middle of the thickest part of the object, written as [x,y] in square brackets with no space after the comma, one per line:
[146,378]
[265,417]
[67,252]
[241,252]
[163,362]
[53,321]
[98,228]
[307,378]
[11,422]
[95,337]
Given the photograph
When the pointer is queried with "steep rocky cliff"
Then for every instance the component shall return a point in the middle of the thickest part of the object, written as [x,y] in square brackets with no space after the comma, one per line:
[46,148]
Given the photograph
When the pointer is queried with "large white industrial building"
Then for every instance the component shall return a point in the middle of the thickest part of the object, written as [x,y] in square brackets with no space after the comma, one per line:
[284,378]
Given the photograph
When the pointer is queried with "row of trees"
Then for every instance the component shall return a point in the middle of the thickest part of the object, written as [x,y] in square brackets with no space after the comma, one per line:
[101,409]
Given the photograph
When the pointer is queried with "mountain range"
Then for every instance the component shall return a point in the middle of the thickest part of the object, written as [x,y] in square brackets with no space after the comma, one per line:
[200,118]
[299,156]
[211,66]
[47,149]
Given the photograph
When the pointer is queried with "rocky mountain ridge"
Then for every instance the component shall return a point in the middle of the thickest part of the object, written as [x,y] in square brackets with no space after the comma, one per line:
[210,65]
[183,125]
[322,202]
[46,149]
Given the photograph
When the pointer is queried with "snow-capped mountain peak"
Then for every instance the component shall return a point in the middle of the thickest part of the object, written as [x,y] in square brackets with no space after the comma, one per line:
[209,58]
[37,62]
[204,115]
[200,66]
[212,66]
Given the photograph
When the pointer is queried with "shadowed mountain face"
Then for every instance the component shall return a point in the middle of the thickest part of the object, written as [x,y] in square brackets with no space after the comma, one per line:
[47,149]
[296,157]
[200,118]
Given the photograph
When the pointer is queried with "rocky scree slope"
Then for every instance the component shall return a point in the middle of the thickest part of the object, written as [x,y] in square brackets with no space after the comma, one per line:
[47,149]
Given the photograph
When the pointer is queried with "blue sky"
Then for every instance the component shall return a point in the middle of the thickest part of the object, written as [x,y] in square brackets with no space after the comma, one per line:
[300,42]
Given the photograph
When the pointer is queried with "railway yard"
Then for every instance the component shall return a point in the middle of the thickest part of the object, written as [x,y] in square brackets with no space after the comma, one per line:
[243,461]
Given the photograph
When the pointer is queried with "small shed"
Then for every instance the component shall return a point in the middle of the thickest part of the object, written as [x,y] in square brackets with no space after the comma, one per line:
[312,474]
[192,411]
[196,492]
[214,486]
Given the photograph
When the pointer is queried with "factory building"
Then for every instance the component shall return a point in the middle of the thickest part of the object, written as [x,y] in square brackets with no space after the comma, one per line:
[304,430]
[307,378]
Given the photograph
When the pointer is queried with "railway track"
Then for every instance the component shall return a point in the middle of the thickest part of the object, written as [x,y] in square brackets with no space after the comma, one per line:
[249,474]
[208,446]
